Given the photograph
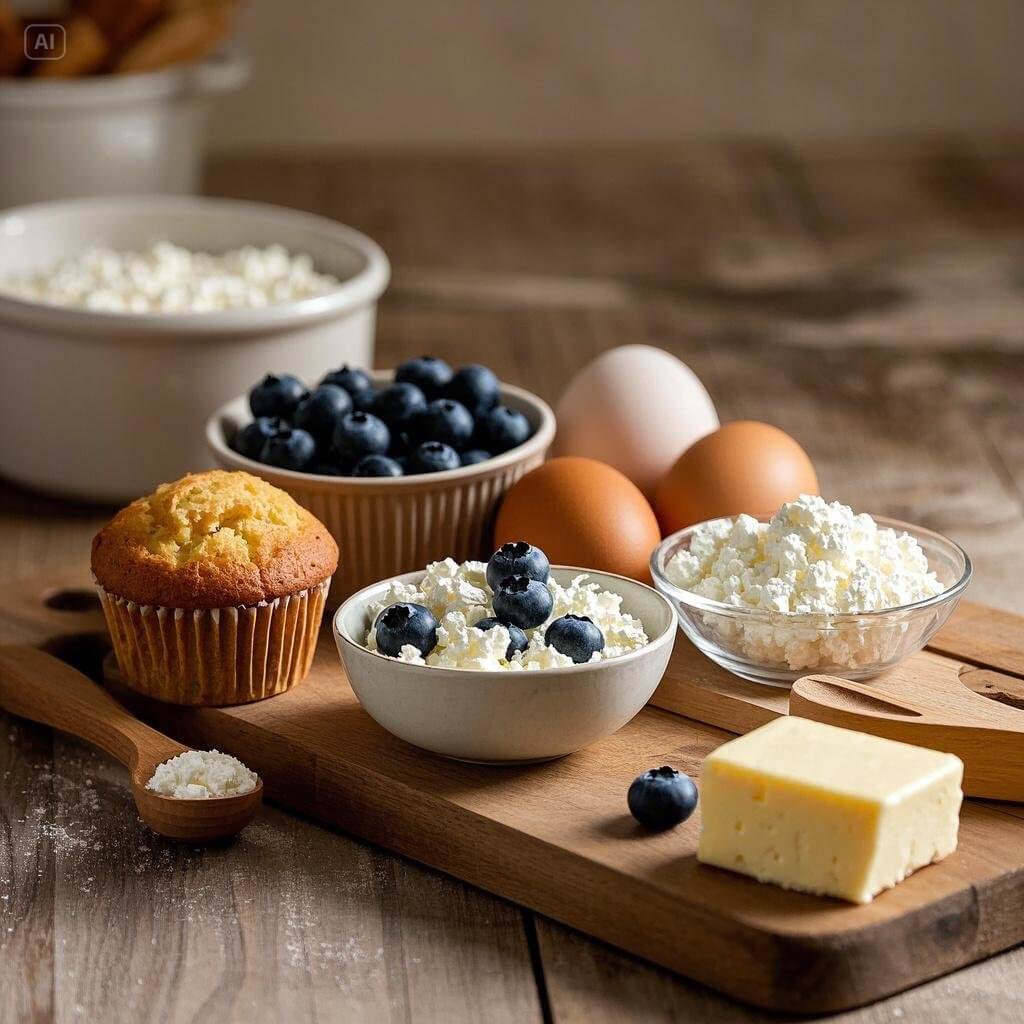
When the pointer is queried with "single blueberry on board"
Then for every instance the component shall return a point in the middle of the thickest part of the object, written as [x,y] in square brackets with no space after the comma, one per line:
[662,797]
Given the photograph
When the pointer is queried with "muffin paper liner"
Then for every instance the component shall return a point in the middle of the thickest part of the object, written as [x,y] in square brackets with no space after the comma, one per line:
[215,656]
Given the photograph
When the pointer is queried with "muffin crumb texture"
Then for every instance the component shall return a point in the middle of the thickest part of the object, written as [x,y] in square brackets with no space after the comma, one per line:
[215,539]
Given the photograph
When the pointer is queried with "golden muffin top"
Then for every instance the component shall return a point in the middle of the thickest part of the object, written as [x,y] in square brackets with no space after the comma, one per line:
[212,540]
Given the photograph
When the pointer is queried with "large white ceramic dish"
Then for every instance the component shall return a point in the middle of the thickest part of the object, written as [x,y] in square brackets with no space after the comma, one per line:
[507,717]
[390,525]
[104,406]
[109,134]
[852,646]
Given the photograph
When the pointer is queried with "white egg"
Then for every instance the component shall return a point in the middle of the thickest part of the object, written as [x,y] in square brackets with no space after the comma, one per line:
[636,408]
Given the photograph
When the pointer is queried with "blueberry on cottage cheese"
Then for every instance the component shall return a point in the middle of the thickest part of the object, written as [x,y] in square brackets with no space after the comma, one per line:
[321,411]
[359,434]
[250,439]
[476,387]
[428,373]
[377,465]
[576,637]
[356,382]
[396,404]
[406,625]
[277,395]
[517,639]
[443,420]
[289,448]
[517,558]
[502,429]
[474,456]
[662,797]
[520,601]
[433,457]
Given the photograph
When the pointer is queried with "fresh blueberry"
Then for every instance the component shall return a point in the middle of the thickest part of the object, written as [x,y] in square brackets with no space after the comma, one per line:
[277,395]
[433,457]
[405,623]
[289,448]
[321,411]
[662,797]
[396,404]
[250,439]
[428,373]
[356,382]
[473,456]
[359,434]
[517,558]
[443,420]
[502,429]
[476,387]
[576,637]
[517,641]
[520,601]
[376,465]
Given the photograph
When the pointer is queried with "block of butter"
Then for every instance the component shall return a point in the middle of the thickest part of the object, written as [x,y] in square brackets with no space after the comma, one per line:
[825,810]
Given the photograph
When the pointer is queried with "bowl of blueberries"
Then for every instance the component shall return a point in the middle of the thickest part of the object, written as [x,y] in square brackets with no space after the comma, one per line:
[403,468]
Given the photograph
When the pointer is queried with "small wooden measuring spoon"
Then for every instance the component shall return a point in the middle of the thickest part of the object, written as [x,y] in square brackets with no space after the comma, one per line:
[38,686]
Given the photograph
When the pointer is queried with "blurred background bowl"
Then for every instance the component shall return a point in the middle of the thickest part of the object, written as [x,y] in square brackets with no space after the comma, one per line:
[390,525]
[507,717]
[104,406]
[110,134]
[778,648]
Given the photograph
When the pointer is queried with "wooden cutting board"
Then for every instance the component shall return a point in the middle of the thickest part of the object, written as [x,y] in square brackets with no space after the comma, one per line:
[557,837]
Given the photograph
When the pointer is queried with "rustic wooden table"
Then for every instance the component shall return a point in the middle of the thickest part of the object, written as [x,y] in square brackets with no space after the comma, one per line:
[869,300]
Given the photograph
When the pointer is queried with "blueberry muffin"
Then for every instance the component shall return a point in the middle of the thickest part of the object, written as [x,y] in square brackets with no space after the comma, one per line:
[213,588]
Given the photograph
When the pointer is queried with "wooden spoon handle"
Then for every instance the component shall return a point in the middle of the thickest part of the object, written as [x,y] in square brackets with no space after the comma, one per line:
[38,686]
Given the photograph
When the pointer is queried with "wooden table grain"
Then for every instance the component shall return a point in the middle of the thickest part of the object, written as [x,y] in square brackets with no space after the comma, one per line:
[869,299]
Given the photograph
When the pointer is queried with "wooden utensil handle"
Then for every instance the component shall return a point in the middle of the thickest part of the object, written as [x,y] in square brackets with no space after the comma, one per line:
[40,687]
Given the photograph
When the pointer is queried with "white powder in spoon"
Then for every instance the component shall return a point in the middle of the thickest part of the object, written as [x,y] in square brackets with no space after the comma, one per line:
[200,774]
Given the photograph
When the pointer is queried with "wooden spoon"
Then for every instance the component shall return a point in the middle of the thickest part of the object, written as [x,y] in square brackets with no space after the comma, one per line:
[931,707]
[40,687]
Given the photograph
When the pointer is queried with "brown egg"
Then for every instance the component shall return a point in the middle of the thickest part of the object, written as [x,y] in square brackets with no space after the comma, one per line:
[581,512]
[742,467]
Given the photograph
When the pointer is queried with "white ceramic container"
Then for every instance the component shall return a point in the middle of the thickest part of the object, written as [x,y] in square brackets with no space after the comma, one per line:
[109,134]
[104,406]
[390,525]
[507,717]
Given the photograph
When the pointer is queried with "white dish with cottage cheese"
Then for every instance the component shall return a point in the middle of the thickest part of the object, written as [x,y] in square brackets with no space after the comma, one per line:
[816,586]
[458,596]
[495,715]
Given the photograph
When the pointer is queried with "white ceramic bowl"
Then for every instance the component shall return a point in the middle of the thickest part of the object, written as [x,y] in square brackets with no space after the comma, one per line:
[507,717]
[390,525]
[104,406]
[109,134]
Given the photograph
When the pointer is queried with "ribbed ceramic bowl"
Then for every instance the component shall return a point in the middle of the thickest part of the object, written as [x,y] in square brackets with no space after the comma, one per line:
[393,525]
[778,648]
[507,717]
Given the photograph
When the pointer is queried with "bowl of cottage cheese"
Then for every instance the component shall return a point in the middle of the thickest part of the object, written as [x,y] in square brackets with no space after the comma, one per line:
[816,588]
[125,321]
[472,697]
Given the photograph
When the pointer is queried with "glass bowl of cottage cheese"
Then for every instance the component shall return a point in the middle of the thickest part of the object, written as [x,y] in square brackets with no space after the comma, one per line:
[815,588]
[468,700]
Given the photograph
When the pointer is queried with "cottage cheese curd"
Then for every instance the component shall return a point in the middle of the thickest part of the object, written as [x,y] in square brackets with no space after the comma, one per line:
[813,558]
[166,278]
[458,596]
[201,774]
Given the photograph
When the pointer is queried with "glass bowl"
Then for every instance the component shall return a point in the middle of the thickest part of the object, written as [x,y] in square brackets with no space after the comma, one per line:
[778,648]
